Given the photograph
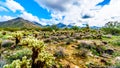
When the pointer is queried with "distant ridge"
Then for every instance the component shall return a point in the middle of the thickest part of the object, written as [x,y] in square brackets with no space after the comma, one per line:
[22,23]
[18,23]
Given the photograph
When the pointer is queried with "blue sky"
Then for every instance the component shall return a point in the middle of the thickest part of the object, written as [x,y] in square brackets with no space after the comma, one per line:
[34,8]
[77,12]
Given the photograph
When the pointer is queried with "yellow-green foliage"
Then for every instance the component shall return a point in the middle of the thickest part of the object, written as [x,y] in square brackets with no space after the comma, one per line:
[19,54]
[32,42]
[47,57]
[17,34]
[39,46]
[19,64]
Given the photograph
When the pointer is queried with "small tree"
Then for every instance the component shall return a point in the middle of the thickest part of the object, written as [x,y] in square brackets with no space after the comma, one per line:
[112,28]
[75,28]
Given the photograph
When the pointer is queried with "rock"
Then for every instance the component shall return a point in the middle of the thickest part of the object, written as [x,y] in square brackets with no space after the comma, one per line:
[90,54]
[117,59]
[5,52]
[7,43]
[108,36]
[105,55]
[76,67]
[2,63]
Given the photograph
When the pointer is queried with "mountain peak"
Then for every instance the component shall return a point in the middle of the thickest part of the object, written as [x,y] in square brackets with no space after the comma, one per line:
[18,23]
[19,18]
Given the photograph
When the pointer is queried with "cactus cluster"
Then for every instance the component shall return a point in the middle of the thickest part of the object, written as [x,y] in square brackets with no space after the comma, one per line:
[17,36]
[40,57]
[25,63]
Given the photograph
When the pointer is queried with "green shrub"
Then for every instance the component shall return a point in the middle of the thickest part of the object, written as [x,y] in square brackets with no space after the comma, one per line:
[60,54]
[117,42]
[82,53]
[19,54]
[75,28]
[113,31]
[24,63]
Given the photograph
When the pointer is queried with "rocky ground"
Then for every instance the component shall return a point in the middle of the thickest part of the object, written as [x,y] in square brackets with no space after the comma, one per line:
[72,49]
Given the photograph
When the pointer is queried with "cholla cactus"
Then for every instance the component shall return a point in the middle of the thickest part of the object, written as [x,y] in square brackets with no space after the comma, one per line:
[40,57]
[17,36]
[36,34]
[33,42]
[19,64]
[46,58]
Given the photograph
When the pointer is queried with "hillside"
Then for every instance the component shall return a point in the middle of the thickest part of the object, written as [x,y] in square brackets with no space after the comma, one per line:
[18,23]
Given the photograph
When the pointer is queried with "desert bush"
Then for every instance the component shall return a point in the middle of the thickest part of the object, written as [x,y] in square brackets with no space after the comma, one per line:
[75,28]
[82,53]
[60,54]
[48,40]
[11,29]
[96,49]
[116,53]
[24,63]
[116,42]
[100,50]
[85,45]
[46,29]
[4,33]
[112,28]
[50,28]
[117,65]
[19,54]
[113,31]
[40,57]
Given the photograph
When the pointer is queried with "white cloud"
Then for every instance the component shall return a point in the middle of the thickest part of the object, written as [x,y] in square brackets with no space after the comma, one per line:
[29,16]
[5,18]
[13,5]
[74,10]
[3,9]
